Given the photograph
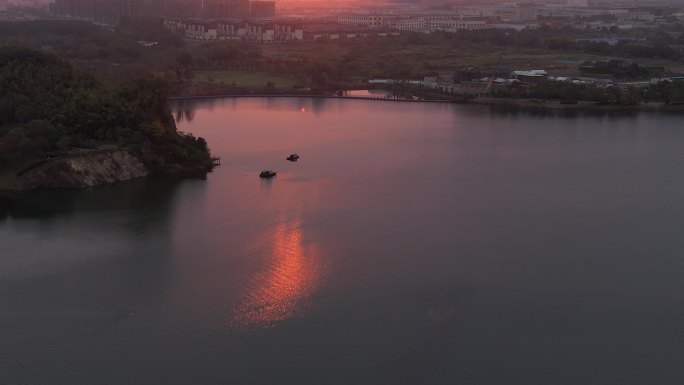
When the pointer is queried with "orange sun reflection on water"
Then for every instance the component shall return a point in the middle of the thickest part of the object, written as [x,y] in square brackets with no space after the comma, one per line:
[281,292]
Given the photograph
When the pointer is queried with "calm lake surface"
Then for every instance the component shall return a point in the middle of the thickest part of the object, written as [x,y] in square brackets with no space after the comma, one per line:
[411,244]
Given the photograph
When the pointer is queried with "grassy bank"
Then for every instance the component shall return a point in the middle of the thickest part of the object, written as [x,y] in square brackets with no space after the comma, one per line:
[246,79]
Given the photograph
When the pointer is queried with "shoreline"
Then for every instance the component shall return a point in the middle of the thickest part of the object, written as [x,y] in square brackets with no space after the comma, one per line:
[522,104]
[86,169]
[318,96]
[555,105]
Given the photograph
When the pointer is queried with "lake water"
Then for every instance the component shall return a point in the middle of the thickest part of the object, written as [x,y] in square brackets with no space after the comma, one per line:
[411,244]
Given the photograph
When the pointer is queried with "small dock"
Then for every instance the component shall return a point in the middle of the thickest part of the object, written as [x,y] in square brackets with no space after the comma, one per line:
[216,160]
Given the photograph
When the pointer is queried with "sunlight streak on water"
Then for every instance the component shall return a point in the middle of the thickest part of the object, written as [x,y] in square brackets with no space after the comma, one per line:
[284,288]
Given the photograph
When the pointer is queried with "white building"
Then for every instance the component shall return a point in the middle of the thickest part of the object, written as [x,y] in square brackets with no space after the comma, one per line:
[371,21]
[424,23]
[453,24]
[639,16]
[580,12]
[288,30]
[507,13]
[407,23]
[517,14]
[252,30]
[198,30]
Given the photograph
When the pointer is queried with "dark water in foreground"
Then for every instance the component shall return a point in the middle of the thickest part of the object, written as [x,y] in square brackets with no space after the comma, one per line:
[411,244]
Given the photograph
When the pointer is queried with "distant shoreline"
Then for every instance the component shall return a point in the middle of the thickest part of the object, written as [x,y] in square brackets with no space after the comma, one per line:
[555,105]
[319,96]
[523,103]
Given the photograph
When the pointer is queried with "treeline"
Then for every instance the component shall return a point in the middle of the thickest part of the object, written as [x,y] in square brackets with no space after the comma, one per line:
[620,69]
[658,46]
[81,40]
[572,93]
[229,55]
[652,45]
[48,107]
[669,92]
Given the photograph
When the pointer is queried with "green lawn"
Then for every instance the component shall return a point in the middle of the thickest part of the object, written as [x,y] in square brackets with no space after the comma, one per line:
[245,78]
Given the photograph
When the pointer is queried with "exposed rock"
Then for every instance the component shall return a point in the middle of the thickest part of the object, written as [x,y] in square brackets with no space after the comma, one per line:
[89,169]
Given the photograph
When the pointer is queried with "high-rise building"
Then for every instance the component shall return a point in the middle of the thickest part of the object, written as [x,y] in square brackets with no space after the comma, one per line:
[100,11]
[262,9]
[225,9]
[113,11]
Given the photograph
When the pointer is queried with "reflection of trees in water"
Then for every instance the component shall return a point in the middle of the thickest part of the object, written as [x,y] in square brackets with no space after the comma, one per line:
[311,104]
[184,110]
[6,206]
[143,196]
[101,255]
[523,111]
[185,114]
[318,105]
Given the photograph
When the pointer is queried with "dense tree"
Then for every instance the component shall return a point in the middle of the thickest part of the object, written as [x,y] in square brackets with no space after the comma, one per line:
[48,107]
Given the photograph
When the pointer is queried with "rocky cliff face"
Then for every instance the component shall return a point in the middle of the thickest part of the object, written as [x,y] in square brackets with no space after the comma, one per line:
[89,169]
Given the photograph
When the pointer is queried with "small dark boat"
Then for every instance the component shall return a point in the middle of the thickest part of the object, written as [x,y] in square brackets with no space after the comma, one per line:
[267,174]
[292,157]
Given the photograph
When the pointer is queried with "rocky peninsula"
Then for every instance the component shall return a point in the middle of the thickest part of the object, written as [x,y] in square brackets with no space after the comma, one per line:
[62,127]
[86,170]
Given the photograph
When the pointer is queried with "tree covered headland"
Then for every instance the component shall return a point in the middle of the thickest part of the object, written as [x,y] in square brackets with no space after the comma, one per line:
[50,108]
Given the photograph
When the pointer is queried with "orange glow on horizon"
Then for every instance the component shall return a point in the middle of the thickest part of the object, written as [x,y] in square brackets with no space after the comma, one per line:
[281,291]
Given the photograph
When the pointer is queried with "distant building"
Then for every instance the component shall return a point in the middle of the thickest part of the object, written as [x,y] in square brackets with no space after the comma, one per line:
[407,23]
[245,29]
[581,12]
[371,21]
[639,16]
[453,24]
[268,30]
[112,11]
[532,76]
[218,9]
[521,13]
[194,29]
[413,22]
[100,11]
[578,3]
[262,9]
